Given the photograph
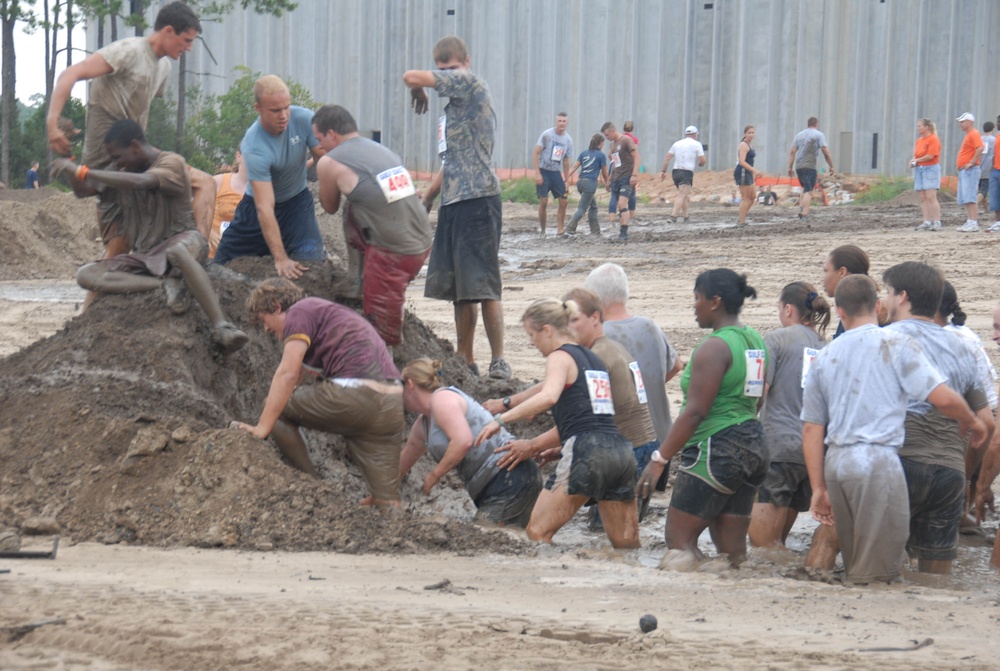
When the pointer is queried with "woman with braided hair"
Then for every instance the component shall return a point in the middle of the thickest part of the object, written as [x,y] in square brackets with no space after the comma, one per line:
[804,316]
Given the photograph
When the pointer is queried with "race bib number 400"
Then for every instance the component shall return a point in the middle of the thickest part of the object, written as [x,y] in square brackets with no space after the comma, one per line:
[395,183]
[808,354]
[754,384]
[599,386]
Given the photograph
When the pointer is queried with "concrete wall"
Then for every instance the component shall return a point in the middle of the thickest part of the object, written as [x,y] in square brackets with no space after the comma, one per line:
[864,67]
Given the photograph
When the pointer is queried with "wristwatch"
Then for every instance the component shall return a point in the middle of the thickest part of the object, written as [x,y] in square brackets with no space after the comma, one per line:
[657,456]
[506,402]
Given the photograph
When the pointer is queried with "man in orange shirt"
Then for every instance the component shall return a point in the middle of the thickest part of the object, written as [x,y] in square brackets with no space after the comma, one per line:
[968,172]
[993,171]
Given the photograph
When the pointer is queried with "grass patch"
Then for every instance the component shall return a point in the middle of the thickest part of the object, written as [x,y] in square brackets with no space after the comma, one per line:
[884,189]
[519,191]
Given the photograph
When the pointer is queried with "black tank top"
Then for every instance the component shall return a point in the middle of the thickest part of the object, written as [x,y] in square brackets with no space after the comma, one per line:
[574,411]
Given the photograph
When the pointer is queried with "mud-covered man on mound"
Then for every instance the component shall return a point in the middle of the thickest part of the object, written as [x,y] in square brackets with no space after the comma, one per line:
[358,394]
[153,192]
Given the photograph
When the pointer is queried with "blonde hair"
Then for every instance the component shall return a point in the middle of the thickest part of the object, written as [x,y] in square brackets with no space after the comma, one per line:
[930,124]
[267,85]
[550,312]
[424,373]
[586,301]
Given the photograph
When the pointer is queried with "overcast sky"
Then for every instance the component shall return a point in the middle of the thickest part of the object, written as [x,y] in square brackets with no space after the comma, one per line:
[31,63]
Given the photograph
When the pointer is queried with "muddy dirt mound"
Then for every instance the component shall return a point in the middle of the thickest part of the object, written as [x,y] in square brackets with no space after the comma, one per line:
[115,426]
[46,233]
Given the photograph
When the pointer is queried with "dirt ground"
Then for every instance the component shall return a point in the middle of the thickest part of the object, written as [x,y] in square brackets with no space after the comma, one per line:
[187,545]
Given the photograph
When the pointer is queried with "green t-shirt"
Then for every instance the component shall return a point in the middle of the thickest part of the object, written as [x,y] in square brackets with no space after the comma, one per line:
[739,392]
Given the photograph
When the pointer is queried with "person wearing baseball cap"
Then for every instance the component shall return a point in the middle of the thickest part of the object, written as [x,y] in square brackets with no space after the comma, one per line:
[687,153]
[968,172]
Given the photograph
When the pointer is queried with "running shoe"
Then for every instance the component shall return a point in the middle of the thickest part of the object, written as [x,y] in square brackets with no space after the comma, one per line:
[926,226]
[500,370]
[995,228]
[969,227]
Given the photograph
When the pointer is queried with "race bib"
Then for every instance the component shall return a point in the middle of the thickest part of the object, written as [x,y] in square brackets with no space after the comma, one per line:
[395,184]
[753,386]
[558,151]
[222,227]
[442,135]
[808,354]
[640,388]
[599,386]
[616,160]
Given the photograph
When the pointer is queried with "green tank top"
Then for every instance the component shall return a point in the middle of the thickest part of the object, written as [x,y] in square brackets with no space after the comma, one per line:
[739,392]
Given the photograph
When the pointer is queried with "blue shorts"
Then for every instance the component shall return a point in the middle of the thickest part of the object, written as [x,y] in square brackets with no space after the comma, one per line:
[552,182]
[937,499]
[968,185]
[464,265]
[927,177]
[296,222]
[721,474]
[995,190]
[807,178]
[620,188]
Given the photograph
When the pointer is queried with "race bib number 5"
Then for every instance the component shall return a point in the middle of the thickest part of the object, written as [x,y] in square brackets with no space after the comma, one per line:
[599,386]
[808,354]
[754,384]
[395,184]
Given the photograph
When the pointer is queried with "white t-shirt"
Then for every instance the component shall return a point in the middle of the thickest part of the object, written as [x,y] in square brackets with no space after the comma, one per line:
[686,153]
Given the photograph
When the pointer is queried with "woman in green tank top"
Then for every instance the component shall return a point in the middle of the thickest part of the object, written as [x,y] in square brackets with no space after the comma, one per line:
[723,456]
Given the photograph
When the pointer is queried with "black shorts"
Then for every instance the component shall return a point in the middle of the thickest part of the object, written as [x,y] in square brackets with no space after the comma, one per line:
[682,177]
[510,496]
[465,265]
[984,187]
[807,178]
[937,500]
[598,465]
[786,486]
[742,177]
[721,474]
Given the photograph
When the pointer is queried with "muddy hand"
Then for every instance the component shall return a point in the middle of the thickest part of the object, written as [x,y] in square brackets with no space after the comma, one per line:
[647,481]
[418,101]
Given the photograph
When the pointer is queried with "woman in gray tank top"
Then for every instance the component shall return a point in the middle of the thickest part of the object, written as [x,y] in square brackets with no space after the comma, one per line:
[449,421]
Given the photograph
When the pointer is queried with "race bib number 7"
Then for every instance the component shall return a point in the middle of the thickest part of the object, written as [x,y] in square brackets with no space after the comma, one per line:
[599,387]
[808,354]
[754,384]
[395,184]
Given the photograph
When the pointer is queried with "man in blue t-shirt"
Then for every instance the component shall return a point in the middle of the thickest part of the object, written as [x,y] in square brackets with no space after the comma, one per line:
[277,215]
[31,179]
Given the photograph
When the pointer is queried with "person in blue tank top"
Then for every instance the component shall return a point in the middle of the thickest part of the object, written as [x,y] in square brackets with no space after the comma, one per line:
[449,420]
[745,174]
[595,461]
[721,441]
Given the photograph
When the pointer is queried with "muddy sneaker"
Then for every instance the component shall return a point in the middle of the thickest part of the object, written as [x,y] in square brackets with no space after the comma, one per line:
[474,367]
[687,220]
[926,226]
[969,227]
[178,298]
[995,228]
[228,337]
[500,370]
[672,219]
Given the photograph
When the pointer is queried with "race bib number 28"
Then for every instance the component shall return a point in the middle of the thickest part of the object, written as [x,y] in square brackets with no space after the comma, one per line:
[599,386]
[754,384]
[395,184]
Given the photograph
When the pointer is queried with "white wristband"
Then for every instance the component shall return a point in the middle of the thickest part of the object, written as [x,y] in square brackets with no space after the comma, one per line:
[657,456]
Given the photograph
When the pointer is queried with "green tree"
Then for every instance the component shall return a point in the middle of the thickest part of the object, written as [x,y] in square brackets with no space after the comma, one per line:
[218,123]
[11,11]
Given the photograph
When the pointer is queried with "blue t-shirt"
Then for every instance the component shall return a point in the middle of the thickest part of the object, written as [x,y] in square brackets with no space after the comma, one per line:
[591,162]
[30,178]
[280,159]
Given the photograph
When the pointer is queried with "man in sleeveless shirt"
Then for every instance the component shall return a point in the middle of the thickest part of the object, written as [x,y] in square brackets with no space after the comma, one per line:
[384,219]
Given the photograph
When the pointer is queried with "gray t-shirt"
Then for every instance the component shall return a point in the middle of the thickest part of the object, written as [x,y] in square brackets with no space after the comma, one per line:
[400,226]
[932,438]
[790,351]
[860,384]
[555,149]
[807,145]
[986,160]
[137,76]
[656,357]
[480,463]
[469,125]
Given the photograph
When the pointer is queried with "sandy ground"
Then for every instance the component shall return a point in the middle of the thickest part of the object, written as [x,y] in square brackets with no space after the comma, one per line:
[573,605]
